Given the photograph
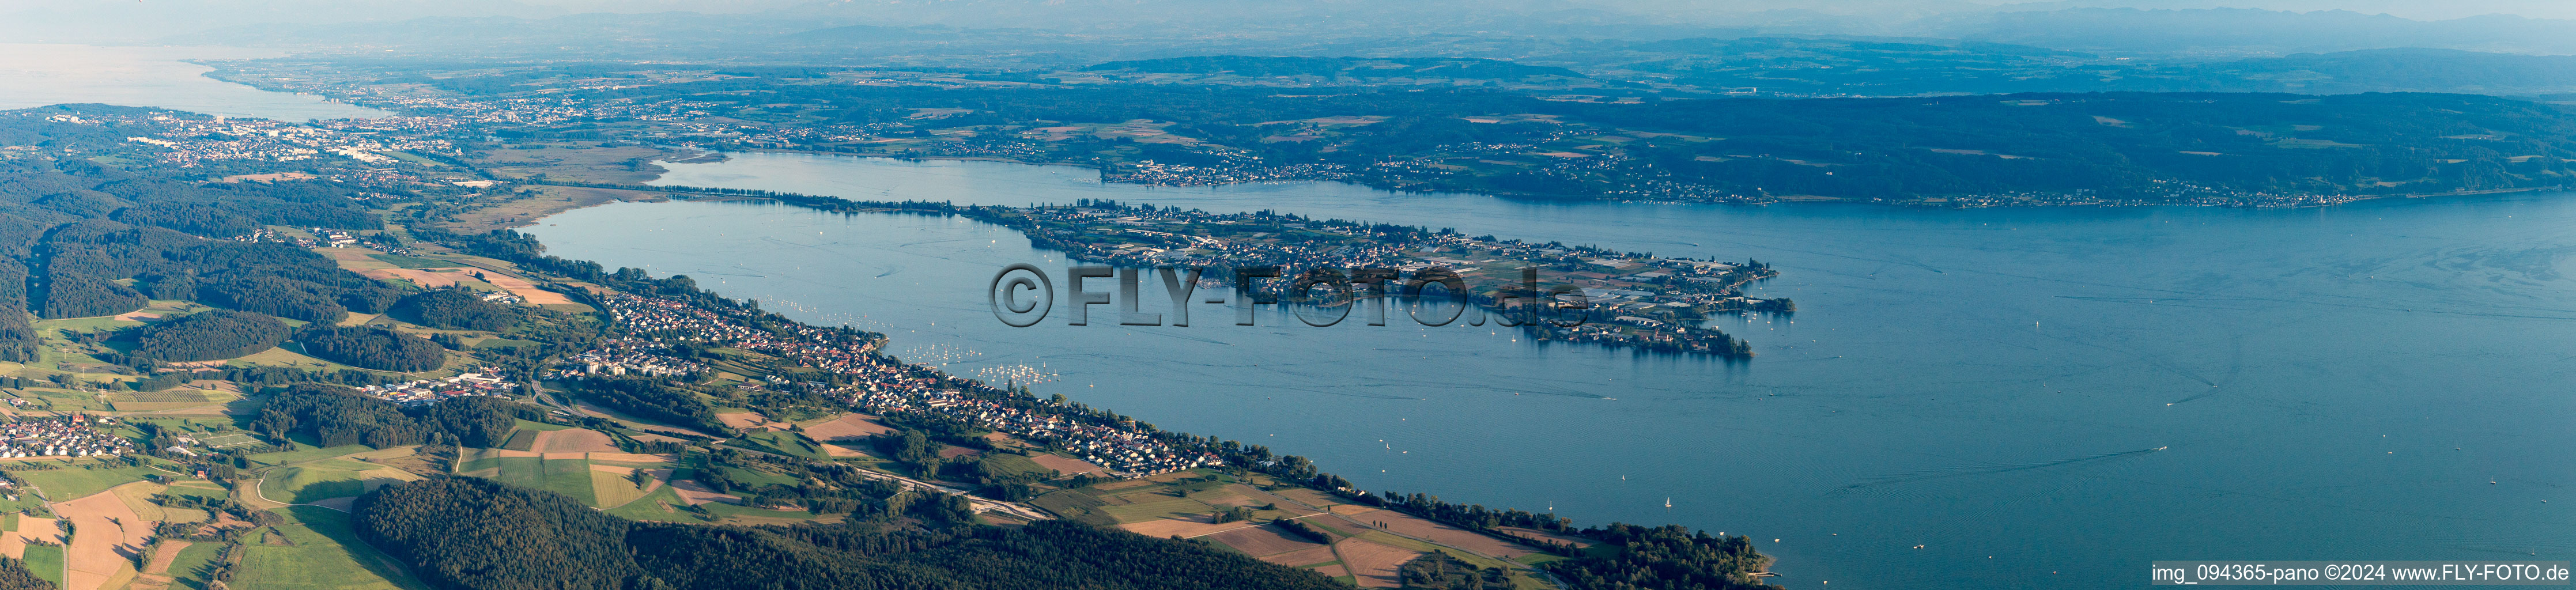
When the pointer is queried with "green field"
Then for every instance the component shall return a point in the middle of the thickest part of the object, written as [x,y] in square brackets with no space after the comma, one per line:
[322,480]
[167,395]
[24,502]
[662,505]
[541,426]
[305,452]
[326,555]
[72,482]
[1004,463]
[1075,506]
[570,477]
[723,510]
[521,440]
[47,562]
[1152,506]
[613,490]
[197,488]
[191,565]
[784,443]
[88,324]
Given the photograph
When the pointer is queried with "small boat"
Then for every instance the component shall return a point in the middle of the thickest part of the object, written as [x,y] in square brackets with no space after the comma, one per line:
[1668,502]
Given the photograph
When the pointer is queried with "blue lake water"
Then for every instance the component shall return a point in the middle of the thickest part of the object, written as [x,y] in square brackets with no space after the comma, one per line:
[2335,383]
[33,75]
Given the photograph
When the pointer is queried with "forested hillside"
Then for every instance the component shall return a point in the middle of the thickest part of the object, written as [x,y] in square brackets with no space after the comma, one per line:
[473,534]
[454,308]
[210,335]
[373,348]
[336,415]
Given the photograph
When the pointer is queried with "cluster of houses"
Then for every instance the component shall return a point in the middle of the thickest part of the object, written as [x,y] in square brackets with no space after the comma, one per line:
[334,238]
[831,349]
[878,383]
[74,435]
[677,320]
[1125,451]
[430,391]
[626,356]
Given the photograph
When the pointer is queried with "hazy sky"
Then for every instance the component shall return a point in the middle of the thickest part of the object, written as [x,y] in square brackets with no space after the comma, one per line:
[154,20]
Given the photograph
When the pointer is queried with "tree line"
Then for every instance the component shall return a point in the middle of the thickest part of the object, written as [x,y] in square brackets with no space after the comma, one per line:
[454,308]
[373,348]
[473,534]
[210,335]
[337,416]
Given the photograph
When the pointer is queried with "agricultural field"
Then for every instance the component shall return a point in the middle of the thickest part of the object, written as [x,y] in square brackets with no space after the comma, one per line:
[305,452]
[574,440]
[1263,541]
[179,564]
[1373,564]
[169,399]
[46,561]
[567,476]
[845,427]
[783,443]
[321,482]
[80,479]
[316,550]
[663,504]
[103,524]
[737,514]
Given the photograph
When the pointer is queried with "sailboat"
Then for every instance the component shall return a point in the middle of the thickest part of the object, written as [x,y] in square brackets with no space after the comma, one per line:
[1668,502]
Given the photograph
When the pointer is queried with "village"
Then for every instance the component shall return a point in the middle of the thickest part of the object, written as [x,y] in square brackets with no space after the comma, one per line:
[71,435]
[486,382]
[1597,295]
[874,383]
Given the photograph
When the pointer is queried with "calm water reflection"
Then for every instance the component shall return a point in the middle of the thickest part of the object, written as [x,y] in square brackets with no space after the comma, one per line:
[2334,383]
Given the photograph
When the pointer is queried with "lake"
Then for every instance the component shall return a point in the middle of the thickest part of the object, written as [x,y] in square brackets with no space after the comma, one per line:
[33,75]
[1991,385]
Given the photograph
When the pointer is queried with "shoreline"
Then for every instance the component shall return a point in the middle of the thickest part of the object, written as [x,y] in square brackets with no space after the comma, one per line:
[1917,203]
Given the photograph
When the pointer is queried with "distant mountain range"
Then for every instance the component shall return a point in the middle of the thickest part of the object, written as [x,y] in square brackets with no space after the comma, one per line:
[1629,45]
[2238,32]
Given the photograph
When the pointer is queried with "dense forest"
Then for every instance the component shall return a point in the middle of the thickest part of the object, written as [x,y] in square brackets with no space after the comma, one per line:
[1664,558]
[372,348]
[83,239]
[18,340]
[473,534]
[455,309]
[71,295]
[14,576]
[210,335]
[334,416]
[652,400]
